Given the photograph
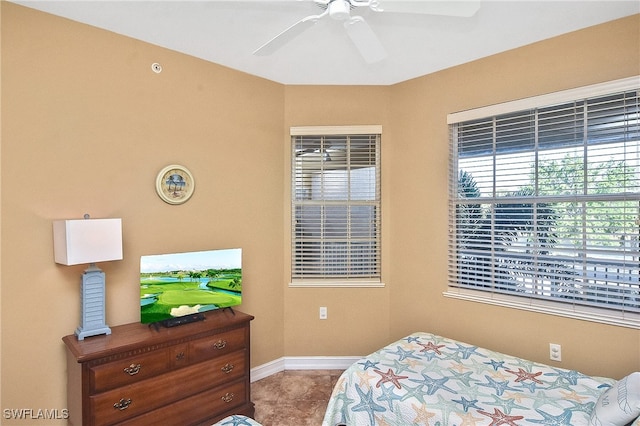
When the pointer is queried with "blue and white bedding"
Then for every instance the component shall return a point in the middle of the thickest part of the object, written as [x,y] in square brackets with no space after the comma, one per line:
[237,420]
[425,379]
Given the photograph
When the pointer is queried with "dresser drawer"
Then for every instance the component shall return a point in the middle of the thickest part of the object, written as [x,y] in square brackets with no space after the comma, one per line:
[217,345]
[127,371]
[194,409]
[128,401]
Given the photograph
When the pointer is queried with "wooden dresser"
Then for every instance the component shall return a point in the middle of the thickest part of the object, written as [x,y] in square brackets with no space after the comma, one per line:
[192,374]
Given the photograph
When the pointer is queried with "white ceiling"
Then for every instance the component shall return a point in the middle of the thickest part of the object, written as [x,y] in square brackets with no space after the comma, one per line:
[227,32]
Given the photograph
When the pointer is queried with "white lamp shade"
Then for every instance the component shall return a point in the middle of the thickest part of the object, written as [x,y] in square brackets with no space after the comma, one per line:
[87,240]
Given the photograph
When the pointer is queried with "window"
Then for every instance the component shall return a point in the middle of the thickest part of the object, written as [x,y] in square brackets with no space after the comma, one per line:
[335,207]
[545,204]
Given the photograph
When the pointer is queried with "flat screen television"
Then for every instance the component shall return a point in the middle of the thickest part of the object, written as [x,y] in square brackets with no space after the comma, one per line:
[179,287]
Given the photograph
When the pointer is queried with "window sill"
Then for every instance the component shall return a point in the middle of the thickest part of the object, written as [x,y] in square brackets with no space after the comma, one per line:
[337,284]
[585,313]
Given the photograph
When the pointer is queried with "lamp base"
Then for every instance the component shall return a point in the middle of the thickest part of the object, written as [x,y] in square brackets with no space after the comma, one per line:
[82,333]
[92,321]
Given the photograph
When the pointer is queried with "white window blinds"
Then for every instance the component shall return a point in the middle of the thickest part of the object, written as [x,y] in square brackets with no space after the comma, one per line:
[545,205]
[335,204]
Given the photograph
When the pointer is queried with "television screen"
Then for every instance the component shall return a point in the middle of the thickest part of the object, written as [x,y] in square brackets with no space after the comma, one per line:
[178,285]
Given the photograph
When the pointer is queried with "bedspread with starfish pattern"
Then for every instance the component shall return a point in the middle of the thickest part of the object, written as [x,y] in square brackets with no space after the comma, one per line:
[237,420]
[425,379]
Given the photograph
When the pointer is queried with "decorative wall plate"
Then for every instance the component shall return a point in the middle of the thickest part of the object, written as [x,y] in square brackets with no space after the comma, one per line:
[175,184]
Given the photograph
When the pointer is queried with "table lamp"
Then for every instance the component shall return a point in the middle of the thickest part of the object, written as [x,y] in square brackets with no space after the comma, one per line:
[89,241]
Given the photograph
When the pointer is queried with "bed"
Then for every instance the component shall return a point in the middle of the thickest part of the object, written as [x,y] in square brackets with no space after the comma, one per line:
[425,379]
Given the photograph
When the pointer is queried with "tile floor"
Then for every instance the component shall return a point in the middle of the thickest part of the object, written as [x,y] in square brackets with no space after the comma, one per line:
[293,397]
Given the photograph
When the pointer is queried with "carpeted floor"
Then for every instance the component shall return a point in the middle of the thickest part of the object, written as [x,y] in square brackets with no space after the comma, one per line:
[294,397]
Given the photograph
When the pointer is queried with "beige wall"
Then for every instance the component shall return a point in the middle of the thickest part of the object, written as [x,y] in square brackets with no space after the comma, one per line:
[419,253]
[361,312]
[86,126]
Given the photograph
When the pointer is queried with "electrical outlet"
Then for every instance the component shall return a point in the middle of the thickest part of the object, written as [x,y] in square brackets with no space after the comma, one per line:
[555,352]
[323,312]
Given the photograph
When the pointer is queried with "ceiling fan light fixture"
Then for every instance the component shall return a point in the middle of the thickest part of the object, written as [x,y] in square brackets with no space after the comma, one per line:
[340,10]
[358,30]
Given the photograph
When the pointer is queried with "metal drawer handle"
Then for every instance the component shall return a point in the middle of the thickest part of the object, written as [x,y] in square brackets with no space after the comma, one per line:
[123,404]
[228,397]
[133,369]
[228,368]
[220,344]
[180,356]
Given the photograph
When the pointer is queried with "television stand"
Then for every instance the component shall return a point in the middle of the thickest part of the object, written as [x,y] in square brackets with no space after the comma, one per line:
[230,308]
[192,375]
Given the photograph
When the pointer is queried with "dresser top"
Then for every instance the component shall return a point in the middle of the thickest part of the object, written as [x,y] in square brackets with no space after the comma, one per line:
[129,336]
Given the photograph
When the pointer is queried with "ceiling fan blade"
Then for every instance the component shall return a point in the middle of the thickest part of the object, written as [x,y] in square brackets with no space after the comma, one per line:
[365,39]
[287,35]
[462,8]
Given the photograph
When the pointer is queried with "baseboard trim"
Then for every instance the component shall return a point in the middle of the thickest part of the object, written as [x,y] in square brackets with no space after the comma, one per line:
[266,370]
[302,363]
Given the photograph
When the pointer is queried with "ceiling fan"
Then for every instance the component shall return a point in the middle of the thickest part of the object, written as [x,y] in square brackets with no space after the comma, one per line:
[359,30]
